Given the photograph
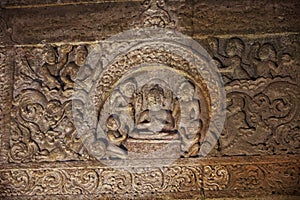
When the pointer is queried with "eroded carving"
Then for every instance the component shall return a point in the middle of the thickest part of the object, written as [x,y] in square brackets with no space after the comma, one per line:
[151,112]
[43,128]
[5,33]
[240,60]
[190,123]
[215,177]
[115,138]
[255,119]
[156,15]
[223,179]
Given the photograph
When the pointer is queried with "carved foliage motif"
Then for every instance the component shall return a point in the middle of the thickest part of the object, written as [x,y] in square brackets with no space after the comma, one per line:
[262,96]
[222,179]
[263,120]
[215,178]
[99,180]
[42,127]
[277,178]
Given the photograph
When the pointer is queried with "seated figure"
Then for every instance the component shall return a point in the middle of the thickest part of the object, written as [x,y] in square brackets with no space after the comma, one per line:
[155,122]
[115,148]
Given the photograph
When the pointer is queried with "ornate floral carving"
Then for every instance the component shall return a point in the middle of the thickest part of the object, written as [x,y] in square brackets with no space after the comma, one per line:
[42,129]
[275,178]
[261,121]
[194,176]
[215,177]
[98,180]
[156,15]
[148,179]
[183,179]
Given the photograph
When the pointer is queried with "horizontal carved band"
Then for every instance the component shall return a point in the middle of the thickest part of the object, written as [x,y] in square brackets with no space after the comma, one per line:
[86,23]
[238,176]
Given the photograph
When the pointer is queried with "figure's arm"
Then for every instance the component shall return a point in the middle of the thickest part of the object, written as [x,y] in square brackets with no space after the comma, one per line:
[196,108]
[176,114]
[144,116]
[169,120]
[116,140]
[63,54]
[273,68]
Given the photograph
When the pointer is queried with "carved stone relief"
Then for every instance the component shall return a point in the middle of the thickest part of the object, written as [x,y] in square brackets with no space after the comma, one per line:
[262,95]
[41,126]
[259,121]
[191,179]
[149,115]
[149,112]
[249,60]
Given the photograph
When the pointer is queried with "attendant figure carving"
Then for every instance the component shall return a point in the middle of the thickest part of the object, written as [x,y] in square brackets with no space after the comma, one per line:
[69,72]
[122,104]
[48,70]
[234,66]
[190,123]
[265,65]
[116,138]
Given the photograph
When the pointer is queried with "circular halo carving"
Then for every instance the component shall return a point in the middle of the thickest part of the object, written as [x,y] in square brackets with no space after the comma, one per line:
[154,93]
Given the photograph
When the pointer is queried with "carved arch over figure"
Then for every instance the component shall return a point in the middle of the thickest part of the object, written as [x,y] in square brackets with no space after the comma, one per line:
[175,55]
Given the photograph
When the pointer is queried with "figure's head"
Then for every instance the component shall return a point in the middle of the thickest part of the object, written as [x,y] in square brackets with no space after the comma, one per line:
[50,55]
[186,91]
[234,47]
[128,87]
[80,55]
[112,123]
[267,52]
[155,97]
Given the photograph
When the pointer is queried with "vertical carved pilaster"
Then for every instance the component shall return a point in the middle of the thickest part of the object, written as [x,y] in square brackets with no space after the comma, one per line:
[6,86]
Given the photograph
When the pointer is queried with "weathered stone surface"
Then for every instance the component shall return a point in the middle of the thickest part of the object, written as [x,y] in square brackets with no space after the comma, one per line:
[254,45]
[250,17]
[96,21]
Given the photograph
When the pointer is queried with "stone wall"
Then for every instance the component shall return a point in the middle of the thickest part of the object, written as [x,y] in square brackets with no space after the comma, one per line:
[63,65]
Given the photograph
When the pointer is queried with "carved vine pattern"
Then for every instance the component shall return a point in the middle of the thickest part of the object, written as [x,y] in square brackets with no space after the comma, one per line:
[262,108]
[262,97]
[41,126]
[271,177]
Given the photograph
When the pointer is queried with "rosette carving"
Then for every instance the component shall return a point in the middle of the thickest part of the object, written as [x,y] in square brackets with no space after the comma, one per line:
[215,177]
